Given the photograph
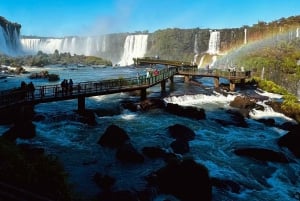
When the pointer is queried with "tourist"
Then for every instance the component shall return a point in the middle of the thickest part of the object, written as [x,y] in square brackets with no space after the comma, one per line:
[31,90]
[23,89]
[42,91]
[71,86]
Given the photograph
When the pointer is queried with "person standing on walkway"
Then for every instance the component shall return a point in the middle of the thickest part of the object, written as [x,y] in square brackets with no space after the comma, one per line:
[71,86]
[31,90]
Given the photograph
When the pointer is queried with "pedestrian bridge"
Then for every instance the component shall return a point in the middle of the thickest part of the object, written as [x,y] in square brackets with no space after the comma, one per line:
[81,90]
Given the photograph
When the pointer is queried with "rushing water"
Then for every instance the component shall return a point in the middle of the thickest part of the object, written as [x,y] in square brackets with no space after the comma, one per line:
[75,143]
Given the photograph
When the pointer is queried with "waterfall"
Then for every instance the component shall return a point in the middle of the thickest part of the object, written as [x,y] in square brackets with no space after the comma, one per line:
[262,73]
[214,42]
[110,47]
[134,46]
[297,33]
[245,36]
[196,49]
[10,40]
[88,46]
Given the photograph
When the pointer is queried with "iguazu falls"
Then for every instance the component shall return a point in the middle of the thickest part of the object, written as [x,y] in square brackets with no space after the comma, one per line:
[174,114]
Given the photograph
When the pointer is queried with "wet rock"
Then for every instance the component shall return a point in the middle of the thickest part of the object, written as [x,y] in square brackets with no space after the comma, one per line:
[186,180]
[24,130]
[180,146]
[186,111]
[154,152]
[181,132]
[113,137]
[88,117]
[262,154]
[236,119]
[127,153]
[243,102]
[291,140]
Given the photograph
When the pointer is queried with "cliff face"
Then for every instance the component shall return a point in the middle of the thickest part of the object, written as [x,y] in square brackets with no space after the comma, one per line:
[173,44]
[9,37]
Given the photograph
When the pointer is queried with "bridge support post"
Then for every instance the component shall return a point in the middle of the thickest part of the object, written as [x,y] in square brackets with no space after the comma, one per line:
[143,94]
[232,85]
[216,82]
[81,104]
[163,85]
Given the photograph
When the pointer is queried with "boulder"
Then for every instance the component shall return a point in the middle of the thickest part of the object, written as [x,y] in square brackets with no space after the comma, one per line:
[236,119]
[181,132]
[243,102]
[154,152]
[127,153]
[186,180]
[180,146]
[262,154]
[24,130]
[186,111]
[113,137]
[291,140]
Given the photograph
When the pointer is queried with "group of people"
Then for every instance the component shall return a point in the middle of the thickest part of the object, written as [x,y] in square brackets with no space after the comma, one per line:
[67,86]
[28,89]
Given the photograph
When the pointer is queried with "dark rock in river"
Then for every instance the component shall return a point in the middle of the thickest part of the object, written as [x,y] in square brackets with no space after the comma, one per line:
[291,140]
[236,119]
[262,154]
[180,146]
[24,130]
[127,153]
[186,180]
[154,152]
[186,111]
[243,102]
[113,137]
[181,132]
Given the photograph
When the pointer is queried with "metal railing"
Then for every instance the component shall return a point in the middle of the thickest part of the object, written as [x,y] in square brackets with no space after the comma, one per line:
[49,93]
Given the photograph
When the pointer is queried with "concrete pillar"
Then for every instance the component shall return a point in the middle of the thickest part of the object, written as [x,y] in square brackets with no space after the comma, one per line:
[163,85]
[143,94]
[232,85]
[81,104]
[216,82]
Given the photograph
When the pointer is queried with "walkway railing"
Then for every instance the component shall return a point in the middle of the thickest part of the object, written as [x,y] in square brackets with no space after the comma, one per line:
[215,73]
[47,93]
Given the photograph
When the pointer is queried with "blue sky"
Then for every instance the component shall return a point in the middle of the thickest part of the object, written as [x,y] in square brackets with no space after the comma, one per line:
[60,18]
